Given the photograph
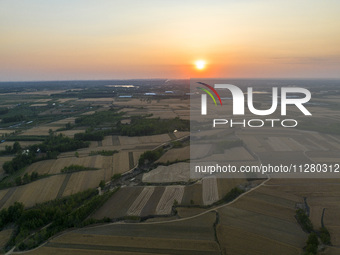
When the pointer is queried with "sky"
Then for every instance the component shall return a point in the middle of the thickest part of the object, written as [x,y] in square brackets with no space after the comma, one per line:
[71,40]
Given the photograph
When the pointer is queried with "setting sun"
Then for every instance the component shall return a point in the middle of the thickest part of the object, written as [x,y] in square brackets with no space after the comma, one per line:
[200,64]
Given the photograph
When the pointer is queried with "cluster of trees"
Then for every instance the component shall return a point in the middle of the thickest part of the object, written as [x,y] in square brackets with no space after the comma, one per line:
[110,116]
[52,146]
[141,126]
[61,143]
[57,215]
[14,118]
[3,110]
[103,152]
[90,136]
[312,243]
[149,157]
[177,144]
[232,194]
[18,162]
[11,149]
[115,177]
[12,214]
[75,168]
[26,138]
[27,178]
[68,126]
[304,220]
[325,236]
[138,126]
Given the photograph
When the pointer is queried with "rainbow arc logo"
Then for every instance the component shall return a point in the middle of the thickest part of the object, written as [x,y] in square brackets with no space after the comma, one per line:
[209,93]
[204,97]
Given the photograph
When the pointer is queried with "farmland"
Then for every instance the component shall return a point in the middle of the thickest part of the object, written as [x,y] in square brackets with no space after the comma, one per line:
[159,207]
[178,172]
[194,236]
[260,220]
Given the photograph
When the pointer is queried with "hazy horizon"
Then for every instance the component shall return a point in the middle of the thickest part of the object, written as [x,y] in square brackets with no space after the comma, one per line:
[86,40]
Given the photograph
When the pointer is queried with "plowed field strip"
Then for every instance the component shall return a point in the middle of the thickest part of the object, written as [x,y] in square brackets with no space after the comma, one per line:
[129,249]
[63,186]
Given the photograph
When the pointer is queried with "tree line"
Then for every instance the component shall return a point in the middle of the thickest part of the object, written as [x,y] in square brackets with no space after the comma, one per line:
[50,148]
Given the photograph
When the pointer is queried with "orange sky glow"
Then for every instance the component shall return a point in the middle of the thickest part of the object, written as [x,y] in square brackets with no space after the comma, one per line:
[45,40]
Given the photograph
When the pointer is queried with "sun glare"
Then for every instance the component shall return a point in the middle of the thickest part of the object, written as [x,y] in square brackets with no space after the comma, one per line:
[200,64]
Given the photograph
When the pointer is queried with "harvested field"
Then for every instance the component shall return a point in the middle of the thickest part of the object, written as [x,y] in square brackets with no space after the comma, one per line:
[322,195]
[335,234]
[180,134]
[64,100]
[40,130]
[209,190]
[118,203]
[294,145]
[192,237]
[277,192]
[315,145]
[199,228]
[37,105]
[237,153]
[224,185]
[6,131]
[153,139]
[3,192]
[121,162]
[170,195]
[199,151]
[81,181]
[136,156]
[185,212]
[41,167]
[54,166]
[161,218]
[36,192]
[107,141]
[266,226]
[277,158]
[278,144]
[88,113]
[5,235]
[132,245]
[43,129]
[237,241]
[179,172]
[138,205]
[150,207]
[258,205]
[331,250]
[175,154]
[253,143]
[193,195]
